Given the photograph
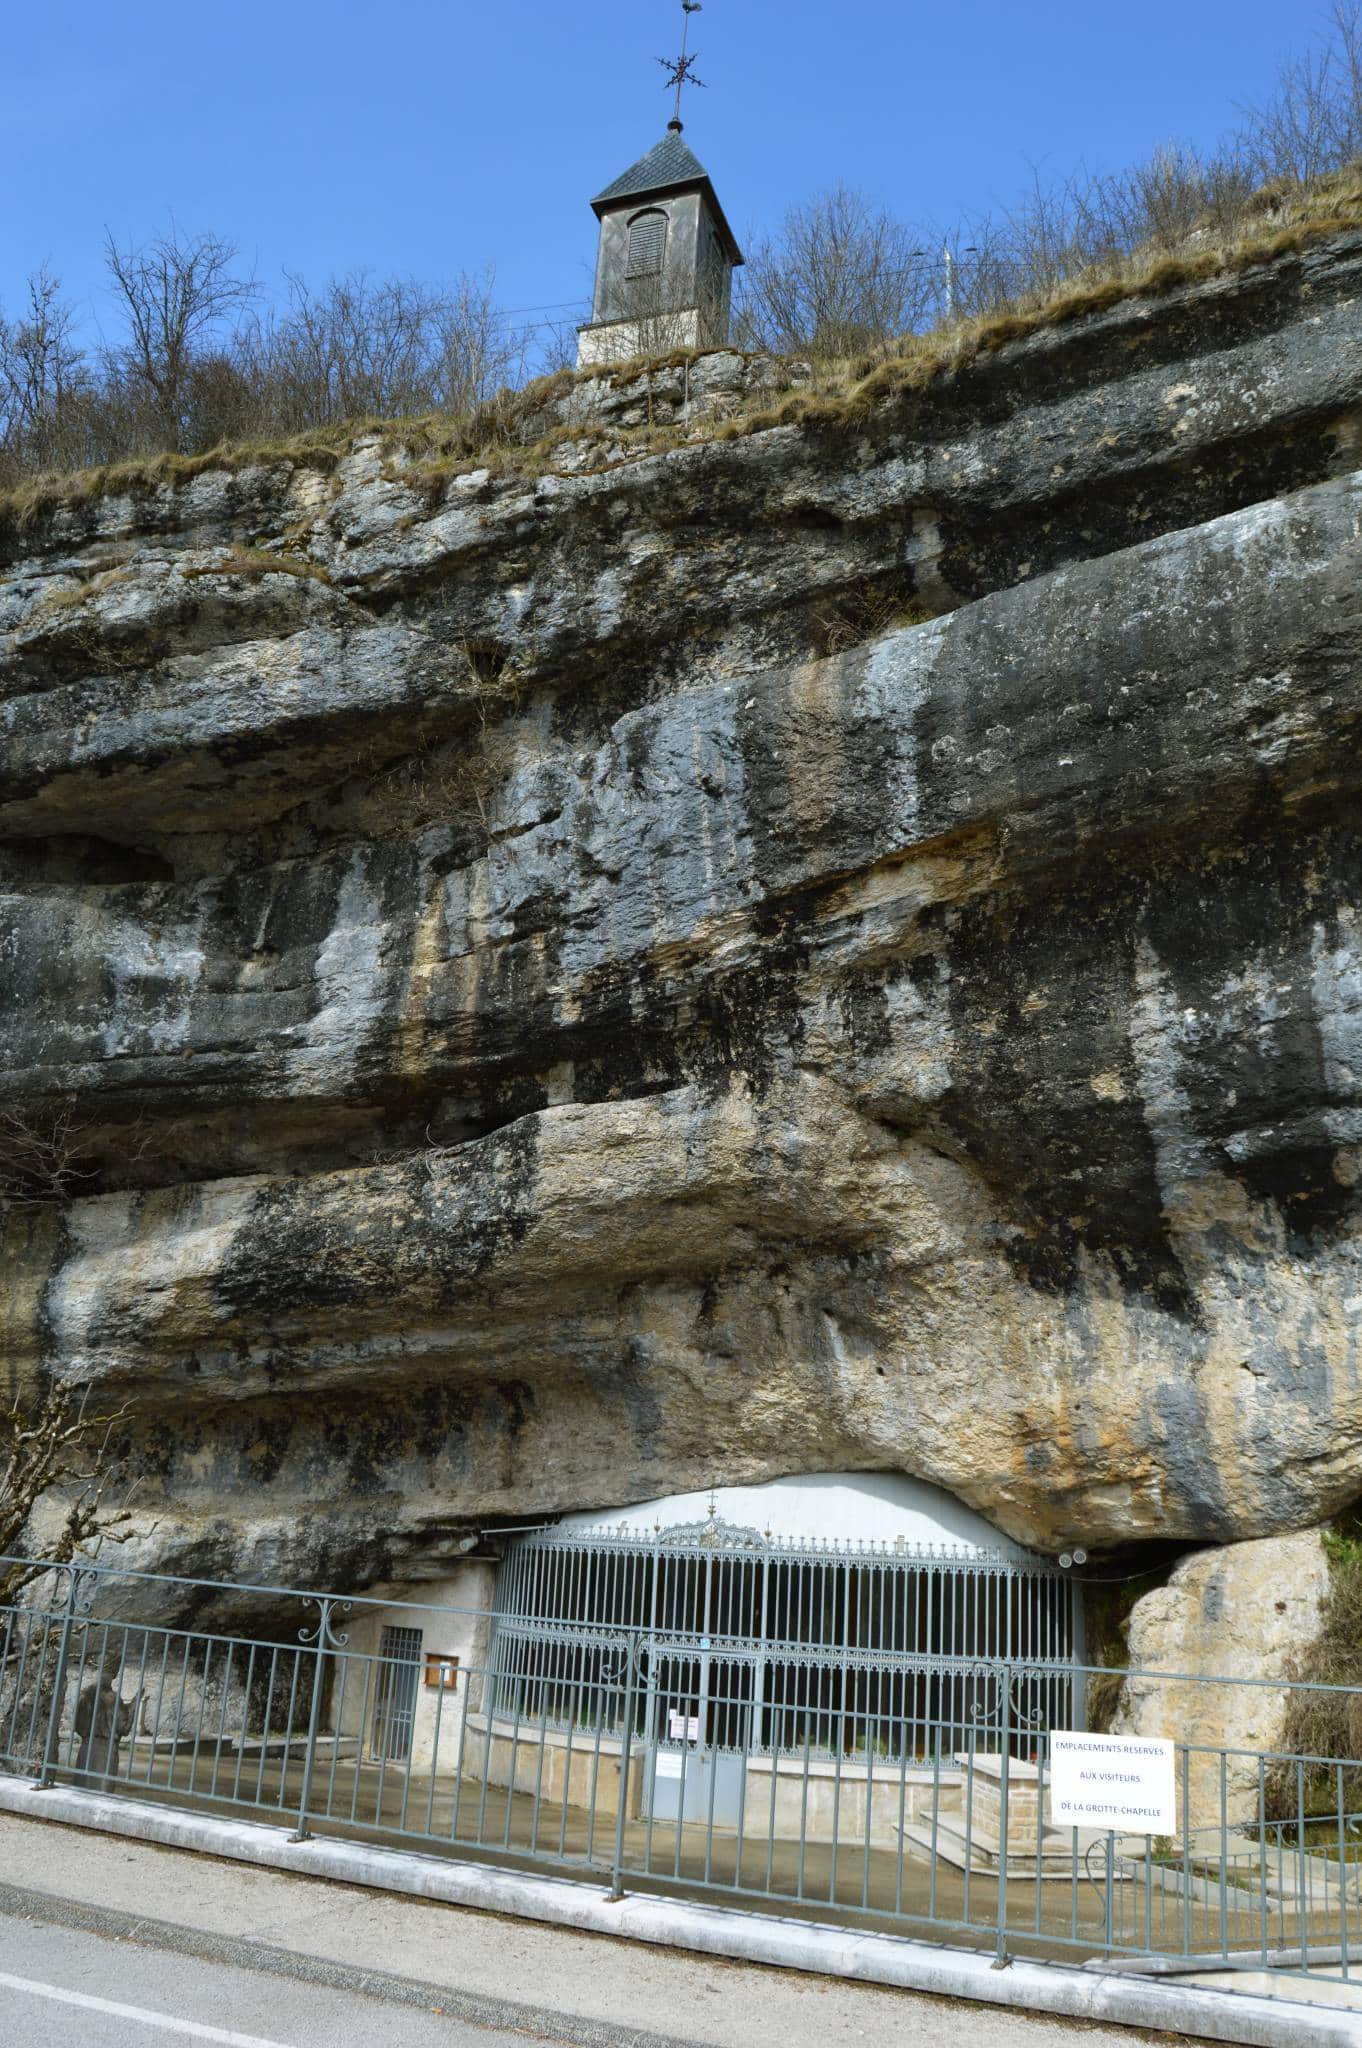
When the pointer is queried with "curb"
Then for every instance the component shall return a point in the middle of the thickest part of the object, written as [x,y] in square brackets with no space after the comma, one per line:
[243,1952]
[1065,1991]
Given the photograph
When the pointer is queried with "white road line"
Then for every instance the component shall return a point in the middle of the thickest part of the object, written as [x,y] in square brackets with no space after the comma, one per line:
[191,2028]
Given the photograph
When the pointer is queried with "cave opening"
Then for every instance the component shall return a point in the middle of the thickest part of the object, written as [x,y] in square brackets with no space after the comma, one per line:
[837,1616]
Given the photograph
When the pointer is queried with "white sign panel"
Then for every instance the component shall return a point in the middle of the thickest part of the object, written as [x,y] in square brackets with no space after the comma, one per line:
[1113,1781]
[668,1764]
[683,1727]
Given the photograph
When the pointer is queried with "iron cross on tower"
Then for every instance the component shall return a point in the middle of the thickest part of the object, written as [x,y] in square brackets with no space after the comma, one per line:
[681,70]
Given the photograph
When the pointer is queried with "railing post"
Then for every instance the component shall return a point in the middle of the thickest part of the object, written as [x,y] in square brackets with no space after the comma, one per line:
[1001,1958]
[626,1746]
[1108,1906]
[50,1747]
[323,1637]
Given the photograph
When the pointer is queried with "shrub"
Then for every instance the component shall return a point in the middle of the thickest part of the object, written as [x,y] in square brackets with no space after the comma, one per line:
[1325,1724]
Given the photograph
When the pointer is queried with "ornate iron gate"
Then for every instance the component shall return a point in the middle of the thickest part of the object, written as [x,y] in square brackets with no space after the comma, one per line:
[818,1644]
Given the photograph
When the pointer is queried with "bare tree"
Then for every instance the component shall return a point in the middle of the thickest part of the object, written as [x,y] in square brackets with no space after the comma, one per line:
[44,1153]
[1312,122]
[476,353]
[550,345]
[58,1445]
[174,292]
[838,276]
[370,349]
[225,400]
[42,375]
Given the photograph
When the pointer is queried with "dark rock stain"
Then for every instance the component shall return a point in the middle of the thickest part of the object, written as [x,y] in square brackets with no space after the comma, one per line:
[1238,947]
[1039,998]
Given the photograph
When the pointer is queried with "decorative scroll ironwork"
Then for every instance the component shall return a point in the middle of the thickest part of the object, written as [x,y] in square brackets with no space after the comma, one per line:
[762,1543]
[796,1776]
[324,1636]
[712,1533]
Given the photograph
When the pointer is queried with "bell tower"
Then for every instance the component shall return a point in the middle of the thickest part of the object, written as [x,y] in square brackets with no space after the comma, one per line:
[664,270]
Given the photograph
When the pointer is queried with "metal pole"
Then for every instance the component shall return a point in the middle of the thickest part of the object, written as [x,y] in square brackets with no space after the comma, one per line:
[302,1832]
[48,1776]
[1108,1934]
[1001,1958]
[626,1733]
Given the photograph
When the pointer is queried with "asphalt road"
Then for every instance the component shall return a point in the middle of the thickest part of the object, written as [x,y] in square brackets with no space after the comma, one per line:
[63,1989]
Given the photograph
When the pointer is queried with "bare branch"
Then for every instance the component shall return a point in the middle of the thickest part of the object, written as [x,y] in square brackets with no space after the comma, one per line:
[839,276]
[44,1153]
[174,292]
[60,1446]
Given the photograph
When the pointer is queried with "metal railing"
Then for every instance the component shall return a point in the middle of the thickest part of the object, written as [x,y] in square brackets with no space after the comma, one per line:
[649,1767]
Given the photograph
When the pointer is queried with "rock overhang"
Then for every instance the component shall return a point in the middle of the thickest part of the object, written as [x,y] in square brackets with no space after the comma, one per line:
[654,1050]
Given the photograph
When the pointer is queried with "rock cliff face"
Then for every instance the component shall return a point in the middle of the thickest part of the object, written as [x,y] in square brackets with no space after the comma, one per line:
[834,947]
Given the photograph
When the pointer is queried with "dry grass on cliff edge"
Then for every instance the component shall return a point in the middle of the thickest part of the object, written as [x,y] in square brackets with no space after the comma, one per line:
[428,452]
[1291,220]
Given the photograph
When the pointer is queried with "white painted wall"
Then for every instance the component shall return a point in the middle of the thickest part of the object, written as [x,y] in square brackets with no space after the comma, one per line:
[619,341]
[452,1615]
[853,1507]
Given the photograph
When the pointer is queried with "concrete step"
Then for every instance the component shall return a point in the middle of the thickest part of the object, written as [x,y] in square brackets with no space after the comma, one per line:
[979,1851]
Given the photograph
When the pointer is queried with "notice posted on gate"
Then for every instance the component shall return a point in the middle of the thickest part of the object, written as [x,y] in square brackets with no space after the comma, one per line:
[1112,1781]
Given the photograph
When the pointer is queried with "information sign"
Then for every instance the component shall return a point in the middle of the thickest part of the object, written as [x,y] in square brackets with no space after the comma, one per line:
[1113,1781]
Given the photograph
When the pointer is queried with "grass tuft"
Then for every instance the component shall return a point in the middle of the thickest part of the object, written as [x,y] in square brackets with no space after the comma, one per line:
[57,604]
[38,497]
[250,564]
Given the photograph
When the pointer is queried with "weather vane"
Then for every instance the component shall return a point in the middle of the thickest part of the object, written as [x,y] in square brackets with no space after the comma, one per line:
[681,70]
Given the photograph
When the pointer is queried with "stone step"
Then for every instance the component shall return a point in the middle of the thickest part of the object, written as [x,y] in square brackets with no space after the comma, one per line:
[983,1839]
[979,1850]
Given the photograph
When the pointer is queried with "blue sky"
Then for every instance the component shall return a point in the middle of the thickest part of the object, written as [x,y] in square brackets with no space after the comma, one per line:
[423,139]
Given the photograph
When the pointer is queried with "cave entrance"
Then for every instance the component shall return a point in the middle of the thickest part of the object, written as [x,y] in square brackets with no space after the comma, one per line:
[809,1620]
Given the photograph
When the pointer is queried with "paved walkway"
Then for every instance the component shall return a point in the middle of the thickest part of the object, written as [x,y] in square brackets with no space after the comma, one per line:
[499,1975]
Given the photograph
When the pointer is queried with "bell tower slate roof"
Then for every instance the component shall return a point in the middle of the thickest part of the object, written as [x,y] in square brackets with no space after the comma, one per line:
[669,166]
[669,162]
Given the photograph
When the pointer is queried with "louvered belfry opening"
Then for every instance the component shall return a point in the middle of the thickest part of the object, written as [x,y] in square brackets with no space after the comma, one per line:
[647,243]
[783,1644]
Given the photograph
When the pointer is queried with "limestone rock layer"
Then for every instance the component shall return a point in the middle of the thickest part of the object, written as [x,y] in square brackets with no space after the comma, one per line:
[831,948]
